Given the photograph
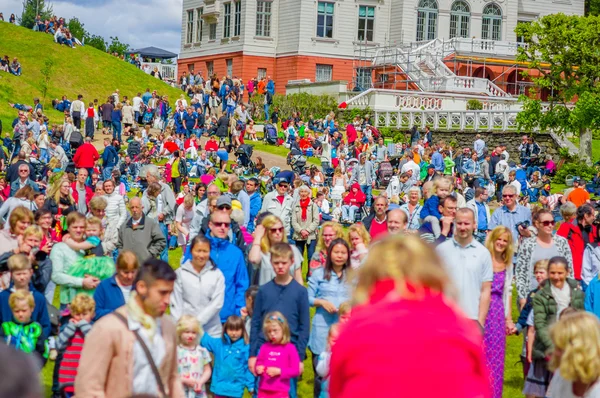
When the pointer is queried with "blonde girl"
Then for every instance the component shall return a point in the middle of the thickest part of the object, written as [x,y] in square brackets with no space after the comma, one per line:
[193,360]
[329,231]
[251,131]
[43,143]
[277,361]
[359,241]
[576,356]
[231,374]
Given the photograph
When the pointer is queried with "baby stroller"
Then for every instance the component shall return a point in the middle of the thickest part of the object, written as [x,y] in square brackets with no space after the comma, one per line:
[297,161]
[244,155]
[328,172]
[384,174]
[270,134]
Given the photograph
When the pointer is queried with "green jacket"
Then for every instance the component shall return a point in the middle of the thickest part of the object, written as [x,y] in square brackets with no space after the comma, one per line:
[448,165]
[544,314]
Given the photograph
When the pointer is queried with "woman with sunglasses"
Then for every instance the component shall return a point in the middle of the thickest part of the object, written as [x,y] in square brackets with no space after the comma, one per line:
[266,234]
[541,247]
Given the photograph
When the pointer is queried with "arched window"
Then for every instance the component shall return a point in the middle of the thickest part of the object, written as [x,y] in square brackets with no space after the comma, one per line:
[460,19]
[492,22]
[427,20]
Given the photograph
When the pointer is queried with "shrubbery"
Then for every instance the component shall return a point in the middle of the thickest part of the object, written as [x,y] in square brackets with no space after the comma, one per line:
[580,169]
[317,105]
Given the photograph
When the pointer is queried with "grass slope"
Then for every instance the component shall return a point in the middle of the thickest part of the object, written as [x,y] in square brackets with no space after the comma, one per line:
[83,70]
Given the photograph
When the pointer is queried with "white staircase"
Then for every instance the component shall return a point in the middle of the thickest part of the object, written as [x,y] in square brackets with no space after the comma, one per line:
[425,67]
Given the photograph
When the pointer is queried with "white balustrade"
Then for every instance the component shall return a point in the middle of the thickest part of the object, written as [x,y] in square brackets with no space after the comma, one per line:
[440,120]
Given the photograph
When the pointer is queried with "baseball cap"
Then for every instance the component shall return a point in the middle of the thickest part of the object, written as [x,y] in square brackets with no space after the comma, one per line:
[577,179]
[280,180]
[224,200]
[431,166]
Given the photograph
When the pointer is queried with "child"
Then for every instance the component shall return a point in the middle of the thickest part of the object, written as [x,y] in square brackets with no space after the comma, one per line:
[212,146]
[336,214]
[24,334]
[231,374]
[247,312]
[278,360]
[193,360]
[95,263]
[352,202]
[359,240]
[71,339]
[251,131]
[286,295]
[430,212]
[344,312]
[21,271]
[325,358]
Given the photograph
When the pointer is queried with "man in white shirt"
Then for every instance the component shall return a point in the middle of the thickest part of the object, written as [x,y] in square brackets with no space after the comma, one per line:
[411,165]
[77,108]
[137,103]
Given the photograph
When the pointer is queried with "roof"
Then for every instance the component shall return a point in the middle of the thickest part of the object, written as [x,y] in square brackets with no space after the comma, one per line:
[153,52]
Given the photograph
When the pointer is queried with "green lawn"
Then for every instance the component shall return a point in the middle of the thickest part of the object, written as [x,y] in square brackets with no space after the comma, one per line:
[83,70]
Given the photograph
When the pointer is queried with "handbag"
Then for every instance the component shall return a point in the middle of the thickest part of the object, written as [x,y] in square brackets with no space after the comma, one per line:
[161,386]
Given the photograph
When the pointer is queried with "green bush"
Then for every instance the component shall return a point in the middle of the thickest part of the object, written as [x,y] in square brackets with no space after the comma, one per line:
[474,105]
[399,138]
[347,115]
[581,170]
[317,105]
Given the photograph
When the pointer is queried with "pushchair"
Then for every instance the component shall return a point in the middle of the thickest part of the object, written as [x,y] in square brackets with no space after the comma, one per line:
[271,134]
[297,161]
[245,165]
[328,172]
[384,174]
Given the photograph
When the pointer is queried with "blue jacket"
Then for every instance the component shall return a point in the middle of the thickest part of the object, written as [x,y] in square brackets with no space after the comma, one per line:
[230,371]
[271,87]
[255,206]
[230,260]
[110,156]
[438,161]
[108,297]
[39,315]
[292,301]
[592,297]
[430,207]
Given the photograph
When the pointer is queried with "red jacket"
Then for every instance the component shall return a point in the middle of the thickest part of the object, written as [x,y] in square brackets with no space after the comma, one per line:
[572,232]
[190,143]
[88,193]
[85,156]
[421,348]
[211,146]
[355,199]
[351,133]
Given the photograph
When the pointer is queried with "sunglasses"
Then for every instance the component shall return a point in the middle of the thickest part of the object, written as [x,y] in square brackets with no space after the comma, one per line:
[508,196]
[280,229]
[547,223]
[221,224]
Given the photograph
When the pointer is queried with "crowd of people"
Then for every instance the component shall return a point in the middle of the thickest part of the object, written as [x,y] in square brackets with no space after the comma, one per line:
[436,245]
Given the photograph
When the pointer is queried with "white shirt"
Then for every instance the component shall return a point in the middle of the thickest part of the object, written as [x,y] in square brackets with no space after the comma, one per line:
[561,388]
[144,381]
[137,102]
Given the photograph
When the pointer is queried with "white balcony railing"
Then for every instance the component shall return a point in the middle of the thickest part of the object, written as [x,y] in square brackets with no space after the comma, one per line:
[439,120]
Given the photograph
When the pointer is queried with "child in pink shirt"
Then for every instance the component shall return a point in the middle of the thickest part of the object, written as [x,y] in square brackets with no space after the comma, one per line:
[278,360]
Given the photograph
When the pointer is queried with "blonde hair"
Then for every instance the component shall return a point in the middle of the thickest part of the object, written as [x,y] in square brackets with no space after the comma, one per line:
[496,233]
[361,231]
[439,183]
[543,264]
[20,213]
[19,262]
[187,323]
[82,304]
[188,200]
[268,222]
[126,260]
[577,337]
[35,231]
[410,260]
[282,250]
[345,308]
[277,318]
[21,295]
[337,228]
[94,221]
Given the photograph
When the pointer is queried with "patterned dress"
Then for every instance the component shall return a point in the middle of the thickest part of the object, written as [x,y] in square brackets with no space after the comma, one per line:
[494,339]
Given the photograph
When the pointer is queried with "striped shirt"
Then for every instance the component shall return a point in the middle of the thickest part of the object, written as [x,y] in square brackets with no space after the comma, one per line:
[71,341]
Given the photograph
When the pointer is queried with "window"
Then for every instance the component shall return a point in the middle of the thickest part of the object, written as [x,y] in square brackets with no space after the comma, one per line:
[262,73]
[189,34]
[263,18]
[491,23]
[521,39]
[460,16]
[325,19]
[229,63]
[226,20]
[212,31]
[237,24]
[427,20]
[363,78]
[324,73]
[199,25]
[366,20]
[210,69]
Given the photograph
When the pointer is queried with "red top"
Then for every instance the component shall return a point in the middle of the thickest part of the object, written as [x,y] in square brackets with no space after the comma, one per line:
[88,193]
[85,156]
[356,199]
[211,146]
[378,229]
[68,366]
[422,348]
[571,232]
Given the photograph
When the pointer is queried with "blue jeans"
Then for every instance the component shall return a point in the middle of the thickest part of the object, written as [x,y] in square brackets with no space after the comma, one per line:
[16,73]
[107,172]
[116,125]
[44,155]
[367,190]
[349,212]
[266,108]
[165,230]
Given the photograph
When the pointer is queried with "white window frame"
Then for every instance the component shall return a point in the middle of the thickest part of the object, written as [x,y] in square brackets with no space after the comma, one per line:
[189,30]
[365,30]
[237,18]
[491,22]
[325,33]
[210,69]
[229,64]
[212,31]
[460,19]
[427,20]
[226,20]
[261,73]
[263,18]
[324,73]
[199,24]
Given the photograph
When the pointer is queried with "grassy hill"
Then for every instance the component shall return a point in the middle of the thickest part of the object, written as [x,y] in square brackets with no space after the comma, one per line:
[83,70]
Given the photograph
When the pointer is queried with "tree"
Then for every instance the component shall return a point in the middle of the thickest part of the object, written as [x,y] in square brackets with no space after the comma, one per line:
[77,30]
[563,56]
[116,46]
[32,8]
[46,71]
[96,42]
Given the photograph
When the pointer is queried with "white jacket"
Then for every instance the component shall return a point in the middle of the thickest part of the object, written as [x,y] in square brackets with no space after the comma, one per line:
[116,213]
[199,294]
[283,211]
[471,204]
[590,264]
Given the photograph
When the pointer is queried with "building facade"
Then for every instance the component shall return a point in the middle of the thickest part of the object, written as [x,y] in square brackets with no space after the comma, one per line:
[295,40]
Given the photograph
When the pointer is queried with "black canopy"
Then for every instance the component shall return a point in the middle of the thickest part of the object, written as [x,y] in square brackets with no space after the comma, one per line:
[153,52]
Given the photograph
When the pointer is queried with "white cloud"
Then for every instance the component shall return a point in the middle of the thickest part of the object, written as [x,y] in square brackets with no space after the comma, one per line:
[139,23]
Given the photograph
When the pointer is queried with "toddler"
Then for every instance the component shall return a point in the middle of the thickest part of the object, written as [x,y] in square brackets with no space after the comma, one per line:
[430,212]
[359,240]
[193,360]
[277,361]
[344,312]
[247,311]
[325,358]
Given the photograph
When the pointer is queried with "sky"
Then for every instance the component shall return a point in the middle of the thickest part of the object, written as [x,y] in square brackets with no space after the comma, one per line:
[139,23]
